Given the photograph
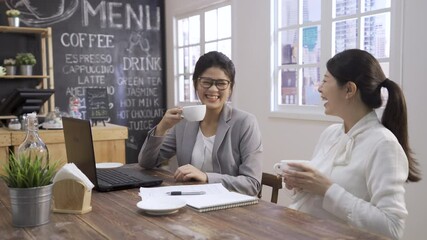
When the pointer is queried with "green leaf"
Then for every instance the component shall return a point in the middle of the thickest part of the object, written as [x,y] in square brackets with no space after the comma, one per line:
[28,171]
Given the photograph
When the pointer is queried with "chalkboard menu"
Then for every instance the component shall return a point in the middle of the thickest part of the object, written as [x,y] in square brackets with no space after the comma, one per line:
[116,45]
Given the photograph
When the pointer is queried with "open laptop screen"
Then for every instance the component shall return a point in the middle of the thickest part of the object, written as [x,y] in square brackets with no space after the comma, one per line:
[79,146]
[80,151]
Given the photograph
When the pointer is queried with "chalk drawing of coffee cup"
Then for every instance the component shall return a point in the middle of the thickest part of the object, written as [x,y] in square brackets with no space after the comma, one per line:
[41,10]
[40,13]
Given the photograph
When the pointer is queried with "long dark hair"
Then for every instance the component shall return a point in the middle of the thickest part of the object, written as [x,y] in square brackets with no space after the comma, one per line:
[365,71]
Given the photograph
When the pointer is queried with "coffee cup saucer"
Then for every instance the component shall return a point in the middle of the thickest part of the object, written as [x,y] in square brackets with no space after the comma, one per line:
[161,205]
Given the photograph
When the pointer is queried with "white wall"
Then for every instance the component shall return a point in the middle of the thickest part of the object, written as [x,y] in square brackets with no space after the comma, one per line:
[295,139]
[414,86]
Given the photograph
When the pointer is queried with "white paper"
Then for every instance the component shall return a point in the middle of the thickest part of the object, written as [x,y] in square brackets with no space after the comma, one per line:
[209,189]
[71,171]
[215,195]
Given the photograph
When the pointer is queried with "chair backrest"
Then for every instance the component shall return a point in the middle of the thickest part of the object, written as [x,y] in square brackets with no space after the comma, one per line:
[273,181]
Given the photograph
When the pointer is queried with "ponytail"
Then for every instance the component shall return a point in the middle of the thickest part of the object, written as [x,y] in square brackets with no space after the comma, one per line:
[395,119]
[365,71]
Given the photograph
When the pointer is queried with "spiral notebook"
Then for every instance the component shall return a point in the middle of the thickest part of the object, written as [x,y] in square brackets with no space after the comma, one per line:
[206,203]
[216,196]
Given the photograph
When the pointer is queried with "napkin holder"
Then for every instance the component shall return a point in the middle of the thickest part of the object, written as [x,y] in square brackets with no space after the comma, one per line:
[71,196]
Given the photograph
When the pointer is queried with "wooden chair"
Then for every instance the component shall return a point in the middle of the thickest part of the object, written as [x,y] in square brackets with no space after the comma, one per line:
[273,181]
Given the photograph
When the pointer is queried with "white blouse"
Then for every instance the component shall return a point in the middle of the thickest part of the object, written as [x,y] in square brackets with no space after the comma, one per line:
[202,152]
[368,168]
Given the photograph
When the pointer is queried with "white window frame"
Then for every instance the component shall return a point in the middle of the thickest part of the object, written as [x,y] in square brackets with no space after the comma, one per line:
[201,10]
[317,112]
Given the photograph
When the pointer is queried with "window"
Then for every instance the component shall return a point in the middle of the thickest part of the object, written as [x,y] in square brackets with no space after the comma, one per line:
[198,33]
[308,33]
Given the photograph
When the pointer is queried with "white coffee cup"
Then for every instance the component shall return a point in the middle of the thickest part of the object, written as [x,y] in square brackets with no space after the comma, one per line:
[194,113]
[281,166]
[2,71]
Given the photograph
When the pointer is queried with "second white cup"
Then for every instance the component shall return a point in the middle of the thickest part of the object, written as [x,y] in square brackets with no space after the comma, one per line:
[281,166]
[194,113]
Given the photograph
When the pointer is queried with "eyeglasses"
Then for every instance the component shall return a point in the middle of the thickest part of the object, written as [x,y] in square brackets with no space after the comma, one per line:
[207,82]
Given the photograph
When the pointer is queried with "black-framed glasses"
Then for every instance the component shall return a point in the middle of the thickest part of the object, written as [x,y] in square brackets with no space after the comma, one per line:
[207,82]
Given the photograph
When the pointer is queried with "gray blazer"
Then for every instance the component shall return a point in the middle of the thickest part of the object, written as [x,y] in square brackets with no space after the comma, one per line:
[236,154]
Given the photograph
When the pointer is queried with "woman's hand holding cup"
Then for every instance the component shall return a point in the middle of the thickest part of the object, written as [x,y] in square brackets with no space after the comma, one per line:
[176,114]
[171,117]
[281,166]
[300,175]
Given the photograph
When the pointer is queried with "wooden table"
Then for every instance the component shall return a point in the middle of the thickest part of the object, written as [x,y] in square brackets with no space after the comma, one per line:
[115,216]
[108,141]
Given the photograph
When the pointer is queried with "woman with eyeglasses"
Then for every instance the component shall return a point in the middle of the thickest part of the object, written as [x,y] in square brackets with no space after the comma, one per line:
[225,147]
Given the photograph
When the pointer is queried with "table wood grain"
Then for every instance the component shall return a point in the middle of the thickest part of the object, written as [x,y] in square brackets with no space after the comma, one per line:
[114,215]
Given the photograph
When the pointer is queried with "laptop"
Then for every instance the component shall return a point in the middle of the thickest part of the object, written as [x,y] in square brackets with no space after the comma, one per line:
[79,147]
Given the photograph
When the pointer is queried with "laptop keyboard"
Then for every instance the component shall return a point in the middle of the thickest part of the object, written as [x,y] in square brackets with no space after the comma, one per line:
[112,176]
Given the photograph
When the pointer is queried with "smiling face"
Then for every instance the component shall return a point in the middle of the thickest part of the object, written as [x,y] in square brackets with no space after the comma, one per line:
[333,95]
[212,96]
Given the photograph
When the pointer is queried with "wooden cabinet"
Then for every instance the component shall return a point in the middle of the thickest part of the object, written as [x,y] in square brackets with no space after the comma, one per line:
[45,60]
[109,143]
[5,142]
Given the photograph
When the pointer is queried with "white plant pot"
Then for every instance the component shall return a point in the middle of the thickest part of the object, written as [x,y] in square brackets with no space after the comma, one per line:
[10,70]
[13,21]
[26,70]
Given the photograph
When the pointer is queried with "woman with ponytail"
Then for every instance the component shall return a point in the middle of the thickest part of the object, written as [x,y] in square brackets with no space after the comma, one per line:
[359,168]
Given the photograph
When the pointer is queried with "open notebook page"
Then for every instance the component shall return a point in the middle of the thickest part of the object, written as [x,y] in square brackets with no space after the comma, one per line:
[216,196]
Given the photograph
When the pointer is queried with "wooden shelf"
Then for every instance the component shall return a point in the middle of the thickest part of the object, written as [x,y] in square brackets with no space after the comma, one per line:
[23,76]
[7,29]
[46,61]
[7,117]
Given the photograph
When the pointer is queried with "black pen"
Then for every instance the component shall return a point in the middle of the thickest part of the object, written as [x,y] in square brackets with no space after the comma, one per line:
[175,193]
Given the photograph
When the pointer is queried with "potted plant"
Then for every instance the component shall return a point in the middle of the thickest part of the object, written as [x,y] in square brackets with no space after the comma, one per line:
[26,61]
[13,17]
[10,64]
[29,179]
